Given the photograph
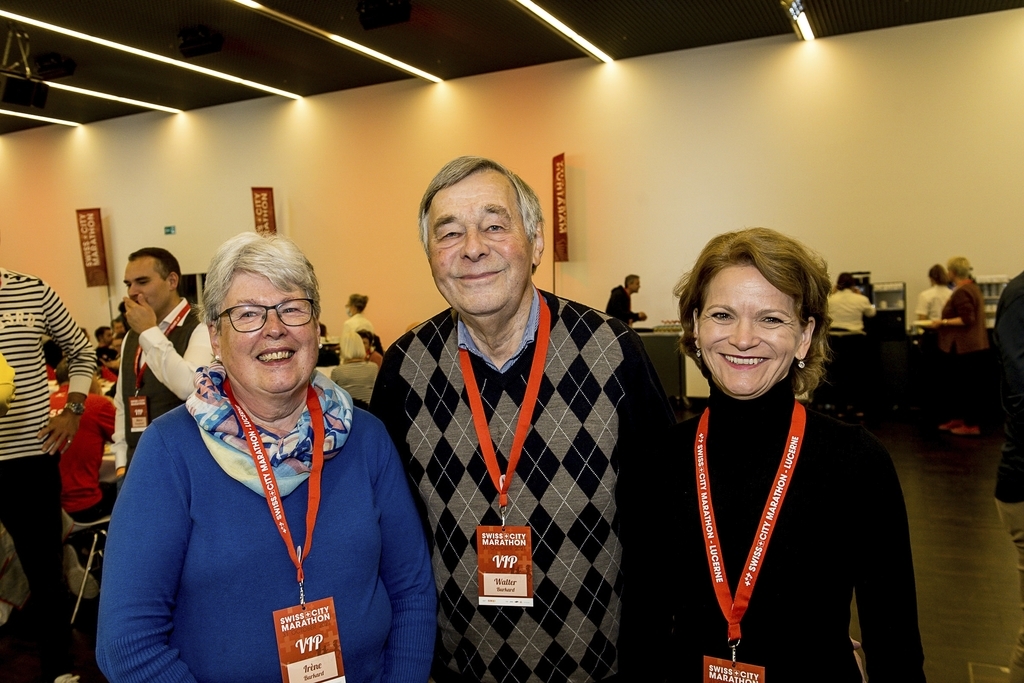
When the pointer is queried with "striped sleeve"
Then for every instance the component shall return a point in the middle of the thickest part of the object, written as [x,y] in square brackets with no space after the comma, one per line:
[29,311]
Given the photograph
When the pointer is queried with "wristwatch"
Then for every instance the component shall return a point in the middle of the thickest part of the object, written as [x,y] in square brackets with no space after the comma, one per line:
[76,408]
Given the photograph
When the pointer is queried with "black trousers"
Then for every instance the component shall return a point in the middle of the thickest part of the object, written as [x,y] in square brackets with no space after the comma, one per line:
[965,388]
[30,510]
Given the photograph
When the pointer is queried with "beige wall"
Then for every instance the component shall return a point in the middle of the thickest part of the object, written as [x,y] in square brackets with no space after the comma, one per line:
[886,151]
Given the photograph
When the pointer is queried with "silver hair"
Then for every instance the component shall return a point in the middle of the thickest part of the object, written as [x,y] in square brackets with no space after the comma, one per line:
[272,256]
[457,170]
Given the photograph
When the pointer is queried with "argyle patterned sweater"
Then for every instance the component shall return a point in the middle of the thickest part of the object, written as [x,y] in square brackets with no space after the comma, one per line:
[600,405]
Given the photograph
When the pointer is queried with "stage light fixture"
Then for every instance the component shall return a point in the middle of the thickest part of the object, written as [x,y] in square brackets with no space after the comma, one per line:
[196,41]
[379,13]
[24,92]
[51,66]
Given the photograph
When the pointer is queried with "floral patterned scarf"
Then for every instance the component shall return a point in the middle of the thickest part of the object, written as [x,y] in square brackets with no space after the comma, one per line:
[291,454]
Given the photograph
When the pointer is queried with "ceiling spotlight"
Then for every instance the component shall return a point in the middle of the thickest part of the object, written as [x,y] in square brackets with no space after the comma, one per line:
[196,41]
[795,12]
[377,13]
[52,66]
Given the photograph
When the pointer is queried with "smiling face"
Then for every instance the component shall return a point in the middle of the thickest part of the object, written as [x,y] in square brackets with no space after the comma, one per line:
[270,368]
[749,332]
[479,255]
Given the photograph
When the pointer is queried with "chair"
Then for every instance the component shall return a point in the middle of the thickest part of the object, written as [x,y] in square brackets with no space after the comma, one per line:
[96,529]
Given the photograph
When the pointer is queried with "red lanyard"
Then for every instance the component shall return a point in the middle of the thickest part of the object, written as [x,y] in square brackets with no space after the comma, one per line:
[483,432]
[733,610]
[269,481]
[139,369]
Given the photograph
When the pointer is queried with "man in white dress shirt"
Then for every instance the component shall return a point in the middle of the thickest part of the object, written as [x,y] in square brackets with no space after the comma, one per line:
[164,346]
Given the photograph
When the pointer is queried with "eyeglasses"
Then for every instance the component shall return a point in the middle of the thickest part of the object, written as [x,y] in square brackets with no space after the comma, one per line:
[252,317]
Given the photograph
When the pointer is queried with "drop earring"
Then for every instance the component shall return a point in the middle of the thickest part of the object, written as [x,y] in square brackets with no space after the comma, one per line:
[698,353]
[800,364]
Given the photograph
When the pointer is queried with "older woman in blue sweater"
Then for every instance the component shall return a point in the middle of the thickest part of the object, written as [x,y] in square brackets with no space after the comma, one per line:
[266,530]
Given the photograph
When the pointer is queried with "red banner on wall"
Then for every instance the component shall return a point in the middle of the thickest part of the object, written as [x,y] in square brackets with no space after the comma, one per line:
[561,222]
[90,238]
[263,210]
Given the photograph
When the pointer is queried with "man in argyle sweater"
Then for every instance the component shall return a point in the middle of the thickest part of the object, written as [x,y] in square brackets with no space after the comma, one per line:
[599,405]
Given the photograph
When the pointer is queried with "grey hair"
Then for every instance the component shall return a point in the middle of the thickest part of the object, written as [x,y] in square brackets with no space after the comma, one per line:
[272,256]
[457,170]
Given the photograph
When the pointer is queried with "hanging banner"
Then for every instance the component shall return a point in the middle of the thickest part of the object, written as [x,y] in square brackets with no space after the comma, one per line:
[561,222]
[263,210]
[90,238]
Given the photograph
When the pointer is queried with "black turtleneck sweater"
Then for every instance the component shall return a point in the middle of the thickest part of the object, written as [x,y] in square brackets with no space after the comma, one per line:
[842,531]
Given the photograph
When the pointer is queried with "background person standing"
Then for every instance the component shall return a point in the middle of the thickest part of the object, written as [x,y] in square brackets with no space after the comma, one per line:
[30,443]
[1009,339]
[963,340]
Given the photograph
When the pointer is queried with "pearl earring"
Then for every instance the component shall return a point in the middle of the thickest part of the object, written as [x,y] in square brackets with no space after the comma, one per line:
[800,364]
[698,353]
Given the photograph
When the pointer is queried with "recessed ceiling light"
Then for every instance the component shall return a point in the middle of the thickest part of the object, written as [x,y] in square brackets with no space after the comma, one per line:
[148,55]
[350,44]
[116,98]
[565,30]
[36,117]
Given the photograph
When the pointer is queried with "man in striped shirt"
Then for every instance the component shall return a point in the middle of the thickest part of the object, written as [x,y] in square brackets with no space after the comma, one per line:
[30,444]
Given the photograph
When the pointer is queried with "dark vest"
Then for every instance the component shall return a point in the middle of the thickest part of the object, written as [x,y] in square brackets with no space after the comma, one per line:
[161,399]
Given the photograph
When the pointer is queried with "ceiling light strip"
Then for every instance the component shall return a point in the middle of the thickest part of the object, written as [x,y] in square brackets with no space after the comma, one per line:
[327,35]
[148,55]
[36,117]
[565,30]
[116,98]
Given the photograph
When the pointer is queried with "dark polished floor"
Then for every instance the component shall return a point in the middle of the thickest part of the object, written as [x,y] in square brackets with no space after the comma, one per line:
[965,563]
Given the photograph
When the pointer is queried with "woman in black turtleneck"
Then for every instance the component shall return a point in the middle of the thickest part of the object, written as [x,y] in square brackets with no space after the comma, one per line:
[755,319]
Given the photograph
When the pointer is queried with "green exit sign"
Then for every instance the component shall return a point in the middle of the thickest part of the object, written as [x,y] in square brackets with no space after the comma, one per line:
[169,229]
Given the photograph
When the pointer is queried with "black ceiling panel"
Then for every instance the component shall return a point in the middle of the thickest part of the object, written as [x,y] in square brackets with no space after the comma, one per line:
[448,38]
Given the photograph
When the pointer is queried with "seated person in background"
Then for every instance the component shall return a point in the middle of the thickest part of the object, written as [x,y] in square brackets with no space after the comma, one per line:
[374,353]
[326,357]
[931,300]
[83,496]
[357,321]
[106,355]
[619,302]
[356,374]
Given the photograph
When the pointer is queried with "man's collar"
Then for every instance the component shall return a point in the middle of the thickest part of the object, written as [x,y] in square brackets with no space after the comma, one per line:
[166,322]
[529,334]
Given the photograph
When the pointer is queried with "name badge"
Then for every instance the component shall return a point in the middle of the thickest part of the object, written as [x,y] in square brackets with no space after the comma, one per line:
[725,671]
[505,565]
[138,411]
[308,643]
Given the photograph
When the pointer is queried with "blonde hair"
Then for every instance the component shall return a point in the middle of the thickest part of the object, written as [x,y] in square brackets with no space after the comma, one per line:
[959,266]
[351,346]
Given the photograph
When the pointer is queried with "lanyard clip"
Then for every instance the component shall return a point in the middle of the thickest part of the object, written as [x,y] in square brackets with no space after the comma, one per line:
[733,644]
[503,508]
[301,578]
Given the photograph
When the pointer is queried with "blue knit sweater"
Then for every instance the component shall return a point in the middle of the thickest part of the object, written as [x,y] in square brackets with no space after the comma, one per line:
[194,565]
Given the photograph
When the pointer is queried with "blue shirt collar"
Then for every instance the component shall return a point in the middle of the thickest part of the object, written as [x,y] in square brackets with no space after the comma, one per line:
[529,335]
